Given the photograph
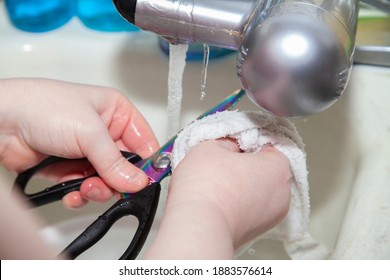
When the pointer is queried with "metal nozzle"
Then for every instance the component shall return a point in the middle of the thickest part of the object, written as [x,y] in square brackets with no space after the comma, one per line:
[294,57]
[297,61]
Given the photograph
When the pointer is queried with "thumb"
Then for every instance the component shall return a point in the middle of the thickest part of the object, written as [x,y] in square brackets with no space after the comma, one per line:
[112,167]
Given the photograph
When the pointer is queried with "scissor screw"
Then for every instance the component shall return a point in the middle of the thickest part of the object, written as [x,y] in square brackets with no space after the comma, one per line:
[162,161]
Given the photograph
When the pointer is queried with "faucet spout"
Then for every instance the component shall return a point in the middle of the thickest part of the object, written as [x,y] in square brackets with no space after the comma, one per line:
[126,9]
[294,56]
[218,23]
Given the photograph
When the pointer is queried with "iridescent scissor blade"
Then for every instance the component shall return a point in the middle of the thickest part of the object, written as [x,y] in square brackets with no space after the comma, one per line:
[157,167]
[229,103]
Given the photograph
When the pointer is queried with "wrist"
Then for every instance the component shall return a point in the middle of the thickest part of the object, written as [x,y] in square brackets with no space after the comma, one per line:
[205,206]
[192,227]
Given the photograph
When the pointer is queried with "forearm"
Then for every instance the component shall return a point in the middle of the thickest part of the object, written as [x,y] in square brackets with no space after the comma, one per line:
[192,229]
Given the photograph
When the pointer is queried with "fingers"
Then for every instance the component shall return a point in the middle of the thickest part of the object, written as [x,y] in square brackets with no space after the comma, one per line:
[109,163]
[74,200]
[228,144]
[92,189]
[129,126]
[16,158]
[116,173]
[95,189]
[126,128]
[66,170]
[252,190]
[139,137]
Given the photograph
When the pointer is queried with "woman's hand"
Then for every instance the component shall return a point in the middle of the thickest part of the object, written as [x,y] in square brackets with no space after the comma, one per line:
[220,198]
[40,117]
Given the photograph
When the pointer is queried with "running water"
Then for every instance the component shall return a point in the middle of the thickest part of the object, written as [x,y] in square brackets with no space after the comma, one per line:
[203,79]
[177,63]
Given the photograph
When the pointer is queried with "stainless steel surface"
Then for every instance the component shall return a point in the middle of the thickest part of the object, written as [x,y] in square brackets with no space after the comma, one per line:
[162,161]
[219,22]
[297,60]
[373,55]
[383,5]
[294,56]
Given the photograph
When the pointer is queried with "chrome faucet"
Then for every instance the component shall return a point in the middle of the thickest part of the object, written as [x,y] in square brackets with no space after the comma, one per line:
[294,57]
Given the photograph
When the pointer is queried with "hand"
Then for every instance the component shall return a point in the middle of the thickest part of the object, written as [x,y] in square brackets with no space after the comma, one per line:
[220,198]
[45,117]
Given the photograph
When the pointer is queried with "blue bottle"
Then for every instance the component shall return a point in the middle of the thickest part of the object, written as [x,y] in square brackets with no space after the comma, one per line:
[102,15]
[39,15]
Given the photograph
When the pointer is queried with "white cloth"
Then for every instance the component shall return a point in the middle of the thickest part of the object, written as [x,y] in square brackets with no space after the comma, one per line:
[252,130]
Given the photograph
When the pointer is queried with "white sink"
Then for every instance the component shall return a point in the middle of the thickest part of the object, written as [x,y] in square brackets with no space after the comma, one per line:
[347,145]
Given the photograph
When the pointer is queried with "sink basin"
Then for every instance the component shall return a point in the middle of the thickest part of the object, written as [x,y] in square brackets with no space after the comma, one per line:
[347,146]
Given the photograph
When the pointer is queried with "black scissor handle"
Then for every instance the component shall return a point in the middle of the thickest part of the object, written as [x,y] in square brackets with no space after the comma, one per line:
[142,205]
[56,192]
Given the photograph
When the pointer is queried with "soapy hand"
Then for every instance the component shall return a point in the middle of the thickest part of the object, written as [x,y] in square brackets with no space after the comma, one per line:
[222,198]
[40,117]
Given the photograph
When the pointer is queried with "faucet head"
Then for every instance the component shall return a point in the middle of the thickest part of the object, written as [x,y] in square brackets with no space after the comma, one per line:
[294,64]
[294,57]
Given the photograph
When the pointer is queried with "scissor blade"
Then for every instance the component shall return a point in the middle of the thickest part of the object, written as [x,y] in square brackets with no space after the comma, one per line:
[227,104]
[151,166]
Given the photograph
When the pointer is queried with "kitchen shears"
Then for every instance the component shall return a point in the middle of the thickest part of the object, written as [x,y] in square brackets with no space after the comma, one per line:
[142,205]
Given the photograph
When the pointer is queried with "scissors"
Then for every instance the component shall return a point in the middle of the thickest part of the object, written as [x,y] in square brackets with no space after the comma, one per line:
[142,205]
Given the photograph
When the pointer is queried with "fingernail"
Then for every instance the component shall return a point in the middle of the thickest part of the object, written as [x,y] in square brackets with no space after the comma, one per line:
[93,194]
[267,147]
[73,200]
[138,179]
[229,144]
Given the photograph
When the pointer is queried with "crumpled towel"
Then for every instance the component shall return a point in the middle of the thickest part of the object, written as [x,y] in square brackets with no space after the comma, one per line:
[252,130]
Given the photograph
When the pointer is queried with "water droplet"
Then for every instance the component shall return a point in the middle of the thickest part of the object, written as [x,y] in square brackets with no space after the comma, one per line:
[203,79]
[252,252]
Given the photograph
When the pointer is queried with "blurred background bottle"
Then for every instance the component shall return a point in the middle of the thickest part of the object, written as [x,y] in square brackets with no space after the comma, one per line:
[39,15]
[102,15]
[196,51]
